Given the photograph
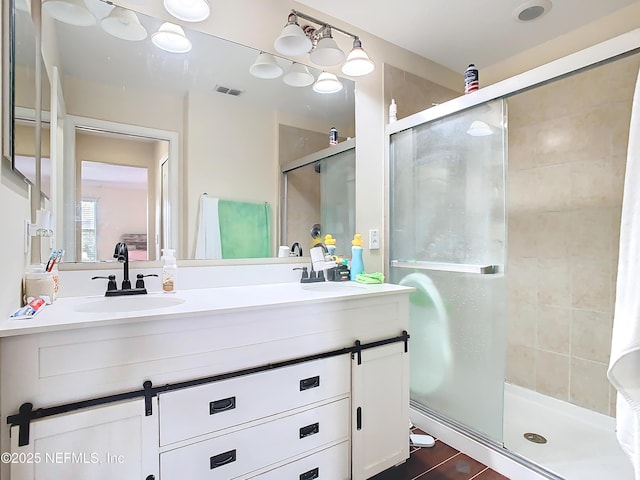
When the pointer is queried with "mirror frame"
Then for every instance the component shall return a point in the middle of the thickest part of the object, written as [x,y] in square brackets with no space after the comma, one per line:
[8,79]
[72,123]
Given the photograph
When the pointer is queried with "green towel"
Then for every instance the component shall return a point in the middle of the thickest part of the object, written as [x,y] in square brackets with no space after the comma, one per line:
[370,277]
[245,229]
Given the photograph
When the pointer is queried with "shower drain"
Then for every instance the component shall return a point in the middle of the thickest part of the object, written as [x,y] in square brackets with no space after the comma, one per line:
[535,437]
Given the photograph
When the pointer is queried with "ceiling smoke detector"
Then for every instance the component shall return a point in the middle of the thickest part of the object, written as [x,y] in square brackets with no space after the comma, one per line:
[531,10]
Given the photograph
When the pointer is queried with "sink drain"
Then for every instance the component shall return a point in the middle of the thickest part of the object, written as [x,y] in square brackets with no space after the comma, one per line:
[535,438]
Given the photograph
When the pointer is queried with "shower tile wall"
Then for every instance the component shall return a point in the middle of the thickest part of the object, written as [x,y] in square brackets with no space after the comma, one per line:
[411,92]
[304,186]
[567,153]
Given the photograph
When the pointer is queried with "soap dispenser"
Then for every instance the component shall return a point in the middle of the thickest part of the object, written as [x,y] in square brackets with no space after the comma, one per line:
[357,266]
[169,270]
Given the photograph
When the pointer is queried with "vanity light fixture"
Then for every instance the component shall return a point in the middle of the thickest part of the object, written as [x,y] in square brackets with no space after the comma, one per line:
[265,67]
[171,38]
[293,41]
[358,62]
[73,12]
[326,51]
[124,24]
[188,10]
[327,83]
[319,43]
[298,76]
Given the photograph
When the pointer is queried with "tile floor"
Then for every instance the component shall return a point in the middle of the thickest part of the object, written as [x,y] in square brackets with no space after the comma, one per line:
[440,462]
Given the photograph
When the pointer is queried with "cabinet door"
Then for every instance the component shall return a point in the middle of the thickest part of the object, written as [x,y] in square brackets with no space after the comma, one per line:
[103,443]
[380,410]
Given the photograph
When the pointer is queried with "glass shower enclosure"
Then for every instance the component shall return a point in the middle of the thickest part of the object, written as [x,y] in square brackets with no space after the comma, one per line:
[448,240]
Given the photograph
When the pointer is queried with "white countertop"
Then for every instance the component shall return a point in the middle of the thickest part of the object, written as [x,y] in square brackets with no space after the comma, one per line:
[90,311]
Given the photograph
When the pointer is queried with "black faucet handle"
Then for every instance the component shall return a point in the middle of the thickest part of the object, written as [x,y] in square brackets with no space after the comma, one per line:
[140,281]
[112,282]
[305,273]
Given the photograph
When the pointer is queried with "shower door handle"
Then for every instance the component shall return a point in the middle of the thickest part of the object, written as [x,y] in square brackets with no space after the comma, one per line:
[448,267]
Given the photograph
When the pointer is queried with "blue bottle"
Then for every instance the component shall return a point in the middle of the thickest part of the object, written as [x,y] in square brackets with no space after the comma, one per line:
[357,266]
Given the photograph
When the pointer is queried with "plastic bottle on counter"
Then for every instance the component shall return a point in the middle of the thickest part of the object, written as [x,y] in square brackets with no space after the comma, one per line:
[169,270]
[357,266]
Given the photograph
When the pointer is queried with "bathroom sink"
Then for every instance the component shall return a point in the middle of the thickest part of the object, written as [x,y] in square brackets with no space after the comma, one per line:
[333,286]
[128,304]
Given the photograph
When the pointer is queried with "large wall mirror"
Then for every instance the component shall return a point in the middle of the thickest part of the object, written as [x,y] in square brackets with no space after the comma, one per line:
[145,133]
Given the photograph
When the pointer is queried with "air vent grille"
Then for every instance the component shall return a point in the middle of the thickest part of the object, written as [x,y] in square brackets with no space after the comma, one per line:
[229,91]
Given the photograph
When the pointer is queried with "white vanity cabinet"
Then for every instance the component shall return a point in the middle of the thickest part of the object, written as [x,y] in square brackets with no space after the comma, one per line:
[312,387]
[114,441]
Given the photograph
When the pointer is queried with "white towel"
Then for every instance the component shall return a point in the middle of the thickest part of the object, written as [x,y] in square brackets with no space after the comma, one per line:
[208,244]
[624,365]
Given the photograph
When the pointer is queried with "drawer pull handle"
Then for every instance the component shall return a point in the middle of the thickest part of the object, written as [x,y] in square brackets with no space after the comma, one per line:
[359,418]
[308,383]
[309,430]
[222,405]
[222,459]
[311,474]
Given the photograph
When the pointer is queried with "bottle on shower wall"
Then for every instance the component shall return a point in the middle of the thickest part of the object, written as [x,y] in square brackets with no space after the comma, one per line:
[471,79]
[393,111]
[333,136]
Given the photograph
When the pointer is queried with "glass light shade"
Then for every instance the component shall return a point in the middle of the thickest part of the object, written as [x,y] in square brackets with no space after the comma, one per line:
[479,128]
[265,66]
[298,76]
[327,83]
[326,53]
[358,62]
[292,41]
[188,10]
[73,12]
[171,38]
[124,24]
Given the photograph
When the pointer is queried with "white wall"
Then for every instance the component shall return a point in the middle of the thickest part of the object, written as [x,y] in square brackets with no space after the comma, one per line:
[228,151]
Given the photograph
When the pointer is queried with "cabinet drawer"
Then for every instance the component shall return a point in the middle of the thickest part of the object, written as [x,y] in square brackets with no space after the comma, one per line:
[208,408]
[244,451]
[329,464]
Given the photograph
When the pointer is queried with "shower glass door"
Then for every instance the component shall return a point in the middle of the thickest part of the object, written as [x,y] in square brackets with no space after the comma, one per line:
[447,239]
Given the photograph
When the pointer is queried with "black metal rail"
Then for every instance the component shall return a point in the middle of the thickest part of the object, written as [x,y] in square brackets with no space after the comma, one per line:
[27,413]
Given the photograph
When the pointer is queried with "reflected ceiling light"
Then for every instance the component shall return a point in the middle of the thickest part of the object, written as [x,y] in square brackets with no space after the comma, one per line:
[326,52]
[188,10]
[322,48]
[171,38]
[124,24]
[479,128]
[265,66]
[292,41]
[358,62]
[327,83]
[298,76]
[73,12]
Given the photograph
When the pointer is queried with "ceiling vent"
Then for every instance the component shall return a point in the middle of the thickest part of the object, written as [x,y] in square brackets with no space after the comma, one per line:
[229,91]
[531,10]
